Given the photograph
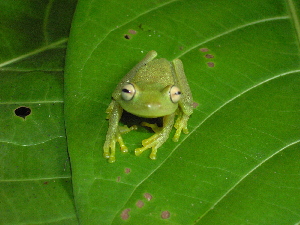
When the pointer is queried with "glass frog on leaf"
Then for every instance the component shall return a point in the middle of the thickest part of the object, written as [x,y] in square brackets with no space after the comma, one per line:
[153,88]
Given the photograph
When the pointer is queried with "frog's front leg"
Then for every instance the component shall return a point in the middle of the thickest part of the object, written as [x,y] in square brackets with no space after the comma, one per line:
[181,125]
[114,132]
[160,137]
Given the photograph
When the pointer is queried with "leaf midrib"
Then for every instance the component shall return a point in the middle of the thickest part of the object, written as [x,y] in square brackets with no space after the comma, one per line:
[34,52]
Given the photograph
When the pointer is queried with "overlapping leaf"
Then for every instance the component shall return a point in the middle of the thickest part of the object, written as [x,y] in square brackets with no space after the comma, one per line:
[35,177]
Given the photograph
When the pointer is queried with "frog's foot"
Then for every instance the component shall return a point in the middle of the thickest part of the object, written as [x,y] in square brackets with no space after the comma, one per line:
[125,129]
[180,125]
[110,145]
[154,127]
[110,150]
[152,156]
[121,143]
[152,142]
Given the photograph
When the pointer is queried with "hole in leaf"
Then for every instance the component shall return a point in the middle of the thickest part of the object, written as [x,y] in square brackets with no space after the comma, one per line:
[126,36]
[22,111]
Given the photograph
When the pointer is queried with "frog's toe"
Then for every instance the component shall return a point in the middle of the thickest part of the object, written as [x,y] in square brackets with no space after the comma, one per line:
[176,136]
[150,140]
[112,159]
[139,151]
[185,130]
[153,154]
[106,152]
[123,148]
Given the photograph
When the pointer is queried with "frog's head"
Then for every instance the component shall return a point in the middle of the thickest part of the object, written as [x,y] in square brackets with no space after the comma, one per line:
[149,100]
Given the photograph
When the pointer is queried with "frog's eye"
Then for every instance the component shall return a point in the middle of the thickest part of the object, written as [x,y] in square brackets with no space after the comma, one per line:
[128,92]
[175,94]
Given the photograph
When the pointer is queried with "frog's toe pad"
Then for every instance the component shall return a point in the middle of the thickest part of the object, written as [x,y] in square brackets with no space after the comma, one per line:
[153,154]
[138,151]
[111,159]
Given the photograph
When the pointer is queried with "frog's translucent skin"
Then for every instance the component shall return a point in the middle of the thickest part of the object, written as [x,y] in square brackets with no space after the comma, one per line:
[150,82]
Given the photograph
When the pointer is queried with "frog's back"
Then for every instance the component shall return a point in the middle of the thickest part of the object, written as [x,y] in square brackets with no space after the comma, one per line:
[158,71]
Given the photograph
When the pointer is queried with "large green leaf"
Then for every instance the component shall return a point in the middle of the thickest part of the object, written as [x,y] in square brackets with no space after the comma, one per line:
[35,177]
[240,162]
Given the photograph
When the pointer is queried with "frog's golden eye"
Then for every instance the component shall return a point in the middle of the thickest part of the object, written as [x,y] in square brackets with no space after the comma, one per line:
[175,94]
[128,92]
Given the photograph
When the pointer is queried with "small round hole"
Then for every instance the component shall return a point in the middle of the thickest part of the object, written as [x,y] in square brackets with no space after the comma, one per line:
[22,111]
[126,36]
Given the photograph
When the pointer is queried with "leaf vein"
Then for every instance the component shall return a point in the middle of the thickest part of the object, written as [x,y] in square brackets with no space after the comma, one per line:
[246,175]
[232,30]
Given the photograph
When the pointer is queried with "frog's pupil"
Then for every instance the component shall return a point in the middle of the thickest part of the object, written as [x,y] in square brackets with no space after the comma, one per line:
[125,90]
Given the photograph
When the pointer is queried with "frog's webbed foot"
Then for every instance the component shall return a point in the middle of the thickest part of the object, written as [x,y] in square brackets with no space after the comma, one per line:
[125,129]
[154,142]
[110,150]
[157,139]
[180,125]
[110,144]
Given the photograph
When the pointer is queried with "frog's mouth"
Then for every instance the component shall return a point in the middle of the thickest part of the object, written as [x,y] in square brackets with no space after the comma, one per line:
[152,110]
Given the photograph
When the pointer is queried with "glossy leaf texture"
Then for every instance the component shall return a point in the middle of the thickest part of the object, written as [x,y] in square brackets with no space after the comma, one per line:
[35,177]
[239,164]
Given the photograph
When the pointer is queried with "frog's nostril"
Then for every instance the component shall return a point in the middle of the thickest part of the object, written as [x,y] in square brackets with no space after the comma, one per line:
[153,106]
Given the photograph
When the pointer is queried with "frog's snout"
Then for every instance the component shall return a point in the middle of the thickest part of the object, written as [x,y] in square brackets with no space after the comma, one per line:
[152,106]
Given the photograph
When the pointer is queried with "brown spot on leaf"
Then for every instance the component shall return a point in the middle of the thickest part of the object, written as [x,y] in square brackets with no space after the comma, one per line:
[140,204]
[203,49]
[181,48]
[209,56]
[165,215]
[127,170]
[118,179]
[148,196]
[211,64]
[195,105]
[125,214]
[132,31]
